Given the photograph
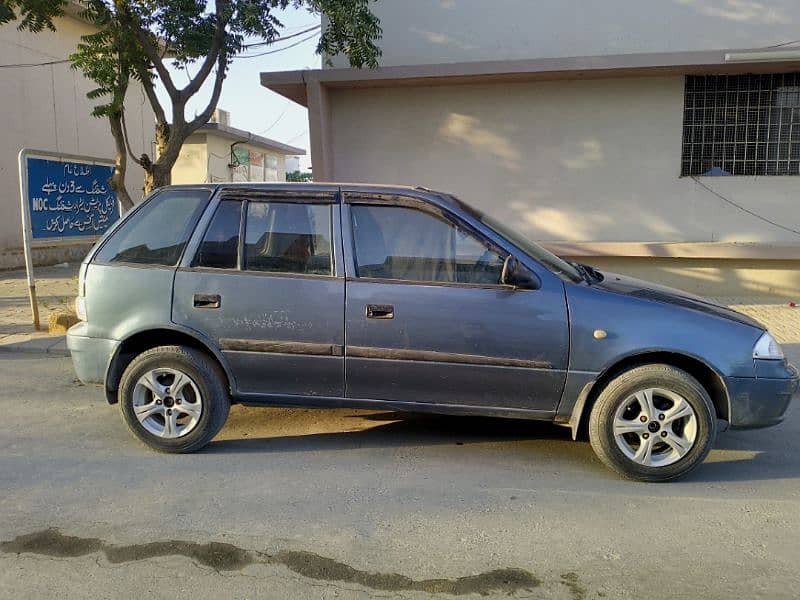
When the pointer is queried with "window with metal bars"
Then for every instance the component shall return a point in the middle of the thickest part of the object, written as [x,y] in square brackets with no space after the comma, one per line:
[741,125]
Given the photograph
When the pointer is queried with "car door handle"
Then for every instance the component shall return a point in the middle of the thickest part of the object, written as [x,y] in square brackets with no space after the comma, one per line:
[380,311]
[207,301]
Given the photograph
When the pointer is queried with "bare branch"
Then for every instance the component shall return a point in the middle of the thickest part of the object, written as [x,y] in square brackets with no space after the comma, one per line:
[150,92]
[204,116]
[127,139]
[117,181]
[217,45]
[151,51]
[178,132]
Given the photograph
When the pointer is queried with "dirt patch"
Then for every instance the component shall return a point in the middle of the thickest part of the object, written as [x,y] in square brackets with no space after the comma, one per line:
[572,583]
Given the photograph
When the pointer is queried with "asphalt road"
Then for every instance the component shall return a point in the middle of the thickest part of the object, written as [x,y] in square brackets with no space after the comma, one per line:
[353,504]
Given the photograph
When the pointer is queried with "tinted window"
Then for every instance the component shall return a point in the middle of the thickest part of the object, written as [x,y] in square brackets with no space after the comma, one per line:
[288,238]
[158,232]
[407,244]
[220,246]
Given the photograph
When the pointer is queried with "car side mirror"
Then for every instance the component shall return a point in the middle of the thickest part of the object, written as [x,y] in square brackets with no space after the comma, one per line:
[517,275]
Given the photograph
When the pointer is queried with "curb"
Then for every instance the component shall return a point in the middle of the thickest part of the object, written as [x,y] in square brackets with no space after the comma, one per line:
[49,346]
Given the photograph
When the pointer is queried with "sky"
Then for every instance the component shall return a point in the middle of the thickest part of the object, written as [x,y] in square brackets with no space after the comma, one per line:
[255,108]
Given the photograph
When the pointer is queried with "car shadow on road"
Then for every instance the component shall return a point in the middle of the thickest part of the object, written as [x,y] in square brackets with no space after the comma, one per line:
[761,455]
[352,430]
[737,456]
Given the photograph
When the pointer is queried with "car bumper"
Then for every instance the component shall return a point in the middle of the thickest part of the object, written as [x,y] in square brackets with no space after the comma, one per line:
[90,356]
[762,401]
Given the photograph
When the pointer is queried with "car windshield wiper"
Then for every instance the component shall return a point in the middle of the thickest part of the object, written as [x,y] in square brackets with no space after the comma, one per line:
[589,274]
[597,275]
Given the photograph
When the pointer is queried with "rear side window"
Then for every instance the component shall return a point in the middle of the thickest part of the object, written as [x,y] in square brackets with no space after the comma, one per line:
[284,237]
[220,247]
[158,232]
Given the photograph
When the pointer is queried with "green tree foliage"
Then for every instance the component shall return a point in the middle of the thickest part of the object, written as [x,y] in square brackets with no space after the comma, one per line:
[33,15]
[137,39]
[299,176]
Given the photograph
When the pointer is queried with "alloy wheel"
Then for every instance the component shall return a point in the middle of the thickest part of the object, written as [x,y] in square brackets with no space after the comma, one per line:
[655,427]
[167,403]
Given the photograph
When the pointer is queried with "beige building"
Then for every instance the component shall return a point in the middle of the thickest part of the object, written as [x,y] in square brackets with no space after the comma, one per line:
[218,152]
[654,137]
[45,107]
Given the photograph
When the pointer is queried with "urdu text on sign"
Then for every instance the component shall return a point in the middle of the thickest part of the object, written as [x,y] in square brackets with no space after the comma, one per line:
[69,199]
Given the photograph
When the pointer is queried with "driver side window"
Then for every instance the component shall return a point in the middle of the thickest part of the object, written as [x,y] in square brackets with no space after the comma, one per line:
[393,242]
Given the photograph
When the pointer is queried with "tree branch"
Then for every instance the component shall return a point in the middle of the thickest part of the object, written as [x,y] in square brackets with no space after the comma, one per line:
[204,116]
[217,45]
[150,92]
[127,139]
[180,131]
[151,51]
[117,180]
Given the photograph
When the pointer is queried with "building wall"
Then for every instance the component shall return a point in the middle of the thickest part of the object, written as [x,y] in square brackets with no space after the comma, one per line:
[205,159]
[580,161]
[292,164]
[442,31]
[192,163]
[46,108]
[564,160]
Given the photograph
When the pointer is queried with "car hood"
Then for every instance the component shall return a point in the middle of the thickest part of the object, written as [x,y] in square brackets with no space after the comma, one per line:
[629,286]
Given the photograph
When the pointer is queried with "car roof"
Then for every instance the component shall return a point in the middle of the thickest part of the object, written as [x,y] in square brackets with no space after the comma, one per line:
[441,198]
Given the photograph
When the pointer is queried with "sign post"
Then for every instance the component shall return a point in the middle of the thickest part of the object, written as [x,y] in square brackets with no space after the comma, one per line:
[65,199]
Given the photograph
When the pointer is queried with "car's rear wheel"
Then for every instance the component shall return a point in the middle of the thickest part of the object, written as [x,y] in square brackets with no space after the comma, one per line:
[653,423]
[174,398]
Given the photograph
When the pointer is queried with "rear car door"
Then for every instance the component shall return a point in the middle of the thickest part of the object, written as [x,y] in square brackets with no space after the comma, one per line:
[428,321]
[263,286]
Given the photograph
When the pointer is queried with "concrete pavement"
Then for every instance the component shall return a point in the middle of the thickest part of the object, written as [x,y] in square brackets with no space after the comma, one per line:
[56,288]
[355,504]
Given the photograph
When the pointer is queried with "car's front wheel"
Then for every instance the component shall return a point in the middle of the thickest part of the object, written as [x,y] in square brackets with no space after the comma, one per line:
[174,398]
[653,423]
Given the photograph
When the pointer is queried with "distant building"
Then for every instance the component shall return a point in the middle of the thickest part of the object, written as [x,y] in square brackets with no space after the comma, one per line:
[45,107]
[292,164]
[655,138]
[218,152]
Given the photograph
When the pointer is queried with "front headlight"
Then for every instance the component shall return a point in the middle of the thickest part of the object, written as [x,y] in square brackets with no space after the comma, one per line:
[767,348]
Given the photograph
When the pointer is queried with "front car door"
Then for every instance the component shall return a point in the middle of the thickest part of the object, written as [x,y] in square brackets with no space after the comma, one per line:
[428,321]
[263,285]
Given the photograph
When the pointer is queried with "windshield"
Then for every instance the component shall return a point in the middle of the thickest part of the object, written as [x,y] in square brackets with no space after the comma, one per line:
[552,262]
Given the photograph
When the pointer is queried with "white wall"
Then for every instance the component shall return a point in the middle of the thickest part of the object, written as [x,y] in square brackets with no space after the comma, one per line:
[192,164]
[292,164]
[204,158]
[441,31]
[46,108]
[562,160]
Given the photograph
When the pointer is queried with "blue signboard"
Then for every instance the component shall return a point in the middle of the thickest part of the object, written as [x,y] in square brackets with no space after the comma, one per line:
[69,199]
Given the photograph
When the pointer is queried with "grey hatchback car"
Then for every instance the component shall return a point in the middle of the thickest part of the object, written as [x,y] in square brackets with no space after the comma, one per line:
[399,298]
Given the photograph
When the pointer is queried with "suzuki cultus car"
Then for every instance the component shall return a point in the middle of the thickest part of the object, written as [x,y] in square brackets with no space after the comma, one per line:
[404,299]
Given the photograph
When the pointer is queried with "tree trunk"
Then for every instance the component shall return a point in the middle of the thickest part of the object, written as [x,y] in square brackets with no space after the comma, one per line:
[117,181]
[159,173]
[156,176]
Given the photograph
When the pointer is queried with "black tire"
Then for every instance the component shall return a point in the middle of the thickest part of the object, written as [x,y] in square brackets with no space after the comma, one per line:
[628,383]
[205,374]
